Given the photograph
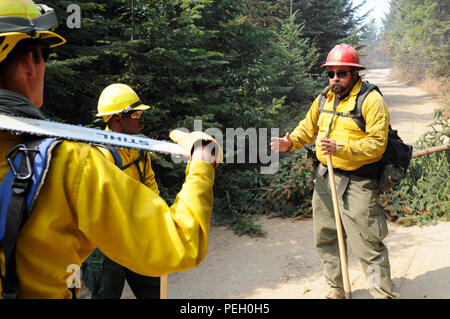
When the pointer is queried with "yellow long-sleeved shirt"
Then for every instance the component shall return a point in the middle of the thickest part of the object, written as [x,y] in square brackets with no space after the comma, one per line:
[88,202]
[355,147]
[128,156]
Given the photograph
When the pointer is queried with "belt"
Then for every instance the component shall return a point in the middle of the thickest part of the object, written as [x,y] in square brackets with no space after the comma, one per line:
[366,171]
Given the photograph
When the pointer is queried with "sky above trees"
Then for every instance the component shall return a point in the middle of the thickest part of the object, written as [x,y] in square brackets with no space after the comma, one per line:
[379,8]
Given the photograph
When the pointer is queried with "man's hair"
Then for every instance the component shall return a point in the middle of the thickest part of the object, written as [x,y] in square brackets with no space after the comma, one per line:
[9,65]
[352,71]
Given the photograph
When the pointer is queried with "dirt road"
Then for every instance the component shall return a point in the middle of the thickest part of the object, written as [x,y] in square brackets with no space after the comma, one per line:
[411,109]
[285,263]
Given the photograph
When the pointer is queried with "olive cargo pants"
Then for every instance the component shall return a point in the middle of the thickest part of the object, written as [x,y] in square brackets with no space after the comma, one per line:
[105,279]
[364,228]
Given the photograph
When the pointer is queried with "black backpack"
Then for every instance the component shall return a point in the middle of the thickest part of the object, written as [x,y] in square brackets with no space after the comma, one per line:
[395,161]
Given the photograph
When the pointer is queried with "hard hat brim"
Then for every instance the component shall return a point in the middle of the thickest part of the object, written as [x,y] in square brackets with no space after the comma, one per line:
[53,38]
[12,38]
[359,66]
[141,107]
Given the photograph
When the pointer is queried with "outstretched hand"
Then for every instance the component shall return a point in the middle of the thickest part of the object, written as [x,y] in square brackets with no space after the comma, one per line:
[281,144]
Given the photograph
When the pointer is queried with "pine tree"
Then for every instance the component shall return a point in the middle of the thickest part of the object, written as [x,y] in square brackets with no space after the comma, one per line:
[418,33]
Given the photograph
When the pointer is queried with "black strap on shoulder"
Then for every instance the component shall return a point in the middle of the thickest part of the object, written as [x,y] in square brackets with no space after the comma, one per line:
[115,154]
[118,161]
[323,98]
[144,173]
[356,114]
[136,162]
[366,88]
[16,216]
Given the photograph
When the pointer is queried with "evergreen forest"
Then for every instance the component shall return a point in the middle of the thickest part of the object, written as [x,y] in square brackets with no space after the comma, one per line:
[232,64]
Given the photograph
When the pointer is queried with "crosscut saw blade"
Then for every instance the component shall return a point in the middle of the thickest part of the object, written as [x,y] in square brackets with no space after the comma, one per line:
[23,125]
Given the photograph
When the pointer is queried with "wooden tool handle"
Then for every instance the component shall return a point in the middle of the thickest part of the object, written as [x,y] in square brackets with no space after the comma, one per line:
[163,291]
[340,231]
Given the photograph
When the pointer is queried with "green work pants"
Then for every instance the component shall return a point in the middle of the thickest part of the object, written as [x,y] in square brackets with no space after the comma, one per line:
[105,279]
[364,226]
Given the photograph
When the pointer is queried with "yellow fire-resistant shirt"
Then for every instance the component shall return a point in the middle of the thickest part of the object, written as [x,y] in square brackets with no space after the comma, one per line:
[88,202]
[355,147]
[129,156]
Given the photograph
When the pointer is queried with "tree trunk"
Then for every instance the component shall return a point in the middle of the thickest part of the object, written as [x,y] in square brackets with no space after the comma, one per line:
[432,150]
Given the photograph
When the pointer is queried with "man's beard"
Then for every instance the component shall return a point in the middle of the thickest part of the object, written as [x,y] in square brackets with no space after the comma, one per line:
[339,88]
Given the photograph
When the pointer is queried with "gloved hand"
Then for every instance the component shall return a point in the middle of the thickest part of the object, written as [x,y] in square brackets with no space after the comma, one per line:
[192,140]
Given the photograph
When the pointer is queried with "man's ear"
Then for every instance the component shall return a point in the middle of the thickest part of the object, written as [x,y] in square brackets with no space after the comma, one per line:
[115,124]
[28,64]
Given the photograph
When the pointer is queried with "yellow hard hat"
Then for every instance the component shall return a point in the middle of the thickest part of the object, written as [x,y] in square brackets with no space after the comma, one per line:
[118,98]
[23,19]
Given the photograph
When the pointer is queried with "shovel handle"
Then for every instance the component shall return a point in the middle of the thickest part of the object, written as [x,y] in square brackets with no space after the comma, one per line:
[340,231]
[163,289]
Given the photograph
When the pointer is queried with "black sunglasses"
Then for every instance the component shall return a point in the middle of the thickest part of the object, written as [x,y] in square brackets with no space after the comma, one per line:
[45,53]
[45,49]
[340,74]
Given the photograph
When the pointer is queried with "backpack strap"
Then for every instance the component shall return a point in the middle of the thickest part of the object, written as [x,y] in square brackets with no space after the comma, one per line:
[119,163]
[19,191]
[116,155]
[142,156]
[366,88]
[323,98]
[356,114]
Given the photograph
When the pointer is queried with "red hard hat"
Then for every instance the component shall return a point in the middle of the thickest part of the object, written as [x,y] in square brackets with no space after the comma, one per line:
[343,54]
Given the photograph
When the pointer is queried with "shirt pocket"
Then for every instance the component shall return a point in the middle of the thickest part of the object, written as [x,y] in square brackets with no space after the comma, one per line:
[347,130]
[347,124]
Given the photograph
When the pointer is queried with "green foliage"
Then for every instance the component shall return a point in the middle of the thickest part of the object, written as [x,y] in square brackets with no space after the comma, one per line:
[293,58]
[328,23]
[418,32]
[229,63]
[234,197]
[288,193]
[423,196]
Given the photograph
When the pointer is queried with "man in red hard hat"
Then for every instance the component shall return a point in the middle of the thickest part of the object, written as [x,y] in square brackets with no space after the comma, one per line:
[355,152]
